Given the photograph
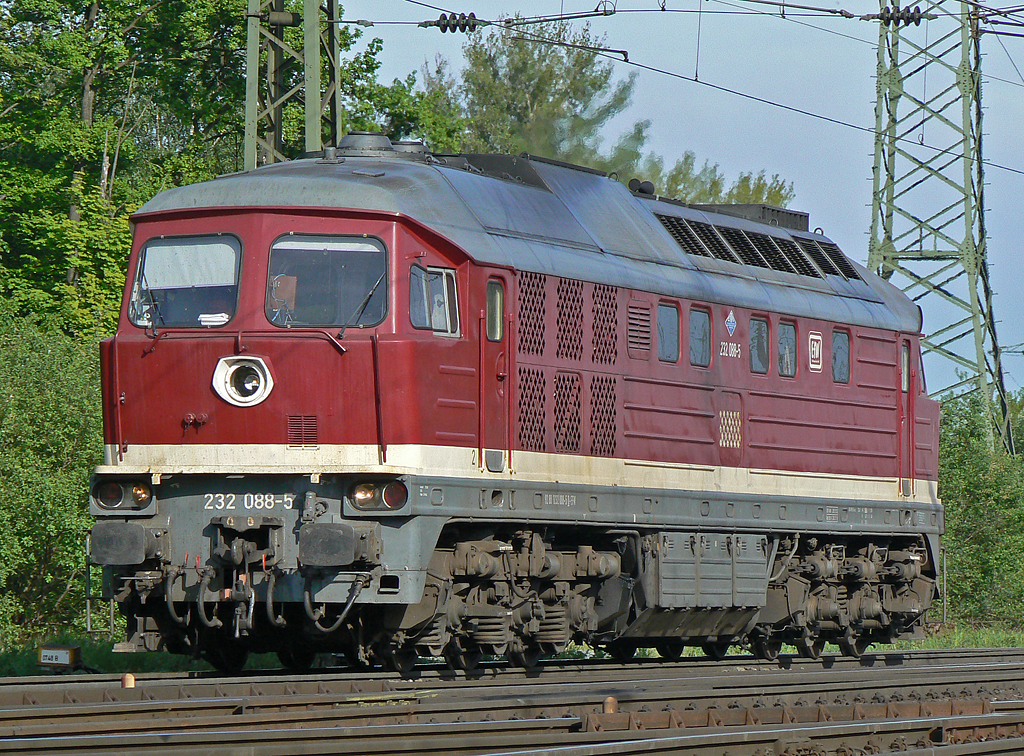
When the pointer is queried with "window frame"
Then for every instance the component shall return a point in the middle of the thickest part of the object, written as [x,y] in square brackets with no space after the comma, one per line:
[787,324]
[768,343]
[674,307]
[451,294]
[849,356]
[706,313]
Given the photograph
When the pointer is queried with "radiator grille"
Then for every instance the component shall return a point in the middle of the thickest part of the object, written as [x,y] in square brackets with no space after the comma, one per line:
[532,411]
[570,319]
[567,412]
[606,324]
[602,415]
[532,313]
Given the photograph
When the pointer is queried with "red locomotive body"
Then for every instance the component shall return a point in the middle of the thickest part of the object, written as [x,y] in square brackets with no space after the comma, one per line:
[410,404]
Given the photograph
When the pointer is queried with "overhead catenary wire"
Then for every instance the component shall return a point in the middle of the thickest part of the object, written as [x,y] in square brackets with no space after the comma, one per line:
[625,60]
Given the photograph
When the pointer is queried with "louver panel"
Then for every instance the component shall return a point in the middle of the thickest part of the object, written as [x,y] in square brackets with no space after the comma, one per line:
[771,253]
[532,410]
[639,327]
[839,260]
[796,258]
[683,235]
[820,258]
[302,431]
[742,247]
[567,412]
[602,415]
[712,241]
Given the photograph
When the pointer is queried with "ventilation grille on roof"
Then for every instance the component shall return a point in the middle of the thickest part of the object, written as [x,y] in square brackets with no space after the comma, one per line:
[712,241]
[839,259]
[742,246]
[759,250]
[683,235]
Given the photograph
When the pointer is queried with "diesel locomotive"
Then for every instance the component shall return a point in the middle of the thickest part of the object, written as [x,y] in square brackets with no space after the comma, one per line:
[390,404]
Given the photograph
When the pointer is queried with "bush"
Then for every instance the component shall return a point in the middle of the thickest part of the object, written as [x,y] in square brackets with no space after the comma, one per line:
[50,440]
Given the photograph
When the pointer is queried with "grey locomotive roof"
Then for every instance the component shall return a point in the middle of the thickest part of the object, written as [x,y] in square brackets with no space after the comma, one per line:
[550,218]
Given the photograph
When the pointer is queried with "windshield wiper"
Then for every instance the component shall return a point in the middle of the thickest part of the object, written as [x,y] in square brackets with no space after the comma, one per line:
[362,306]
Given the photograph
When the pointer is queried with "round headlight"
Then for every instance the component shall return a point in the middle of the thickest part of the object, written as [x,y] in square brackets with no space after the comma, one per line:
[245,380]
[109,495]
[242,381]
[141,494]
[364,495]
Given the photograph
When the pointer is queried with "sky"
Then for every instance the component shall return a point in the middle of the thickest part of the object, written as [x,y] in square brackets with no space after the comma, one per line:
[822,64]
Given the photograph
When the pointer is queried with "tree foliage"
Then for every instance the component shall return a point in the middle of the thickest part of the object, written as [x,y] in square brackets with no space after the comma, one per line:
[549,92]
[983,493]
[50,439]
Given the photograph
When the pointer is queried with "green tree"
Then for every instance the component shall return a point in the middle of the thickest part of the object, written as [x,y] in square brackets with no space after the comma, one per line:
[546,90]
[983,493]
[50,439]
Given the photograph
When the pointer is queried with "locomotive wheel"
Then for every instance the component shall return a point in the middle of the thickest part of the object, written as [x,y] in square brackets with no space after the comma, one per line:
[621,651]
[717,650]
[765,648]
[462,653]
[810,649]
[670,648]
[854,646]
[402,660]
[526,658]
[228,658]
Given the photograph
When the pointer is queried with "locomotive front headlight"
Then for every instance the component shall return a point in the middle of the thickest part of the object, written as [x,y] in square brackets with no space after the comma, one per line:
[109,495]
[364,495]
[141,494]
[242,381]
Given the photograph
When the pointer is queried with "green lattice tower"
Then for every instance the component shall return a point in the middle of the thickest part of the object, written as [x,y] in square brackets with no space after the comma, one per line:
[928,216]
[282,66]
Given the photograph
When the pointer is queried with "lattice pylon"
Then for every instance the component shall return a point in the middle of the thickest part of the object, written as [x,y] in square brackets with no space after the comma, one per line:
[273,80]
[928,213]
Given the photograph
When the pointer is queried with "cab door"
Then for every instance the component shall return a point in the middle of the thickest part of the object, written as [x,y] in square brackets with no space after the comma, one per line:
[495,368]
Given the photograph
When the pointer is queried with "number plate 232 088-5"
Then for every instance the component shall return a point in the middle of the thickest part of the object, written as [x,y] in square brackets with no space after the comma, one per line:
[229,502]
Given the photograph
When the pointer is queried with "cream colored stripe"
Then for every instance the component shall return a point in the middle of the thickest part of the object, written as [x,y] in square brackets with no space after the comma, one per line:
[454,461]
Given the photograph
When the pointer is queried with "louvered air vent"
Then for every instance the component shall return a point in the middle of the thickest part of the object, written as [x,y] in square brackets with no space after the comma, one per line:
[683,234]
[796,258]
[302,431]
[839,260]
[820,258]
[742,247]
[759,250]
[639,330]
[710,238]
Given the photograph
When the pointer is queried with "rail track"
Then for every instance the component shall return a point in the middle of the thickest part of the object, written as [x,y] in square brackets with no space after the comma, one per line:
[944,702]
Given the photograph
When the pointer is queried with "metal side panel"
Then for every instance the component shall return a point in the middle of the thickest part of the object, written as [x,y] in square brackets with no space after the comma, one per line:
[712,570]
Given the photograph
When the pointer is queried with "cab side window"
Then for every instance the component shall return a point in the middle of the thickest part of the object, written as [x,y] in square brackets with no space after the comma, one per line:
[787,350]
[433,300]
[840,356]
[700,337]
[759,345]
[668,333]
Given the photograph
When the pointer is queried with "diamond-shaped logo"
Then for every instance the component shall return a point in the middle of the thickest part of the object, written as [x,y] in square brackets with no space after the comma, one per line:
[730,323]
